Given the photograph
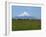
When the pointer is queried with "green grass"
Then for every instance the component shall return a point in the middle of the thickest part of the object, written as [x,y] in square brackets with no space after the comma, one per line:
[25,24]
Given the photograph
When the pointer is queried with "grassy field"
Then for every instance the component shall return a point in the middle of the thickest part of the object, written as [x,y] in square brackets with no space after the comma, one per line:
[26,24]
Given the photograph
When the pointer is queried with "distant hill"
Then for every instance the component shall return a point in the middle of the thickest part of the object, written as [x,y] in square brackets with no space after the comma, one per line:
[24,17]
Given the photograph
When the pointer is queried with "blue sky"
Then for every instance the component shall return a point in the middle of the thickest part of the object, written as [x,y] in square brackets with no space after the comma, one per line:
[33,11]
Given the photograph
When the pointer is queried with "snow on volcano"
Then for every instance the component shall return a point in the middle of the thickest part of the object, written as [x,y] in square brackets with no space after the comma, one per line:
[24,15]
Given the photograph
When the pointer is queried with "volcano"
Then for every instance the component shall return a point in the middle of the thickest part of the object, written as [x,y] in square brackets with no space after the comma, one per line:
[23,15]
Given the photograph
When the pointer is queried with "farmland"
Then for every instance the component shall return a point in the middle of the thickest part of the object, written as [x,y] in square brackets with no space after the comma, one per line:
[26,24]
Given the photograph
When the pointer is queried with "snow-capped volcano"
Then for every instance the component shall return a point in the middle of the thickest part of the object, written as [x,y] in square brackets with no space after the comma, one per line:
[24,14]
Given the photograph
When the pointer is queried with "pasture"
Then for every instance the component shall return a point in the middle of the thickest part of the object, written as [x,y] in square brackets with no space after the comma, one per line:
[26,24]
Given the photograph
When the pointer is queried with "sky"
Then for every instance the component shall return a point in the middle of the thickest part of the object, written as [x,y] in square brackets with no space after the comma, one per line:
[33,11]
